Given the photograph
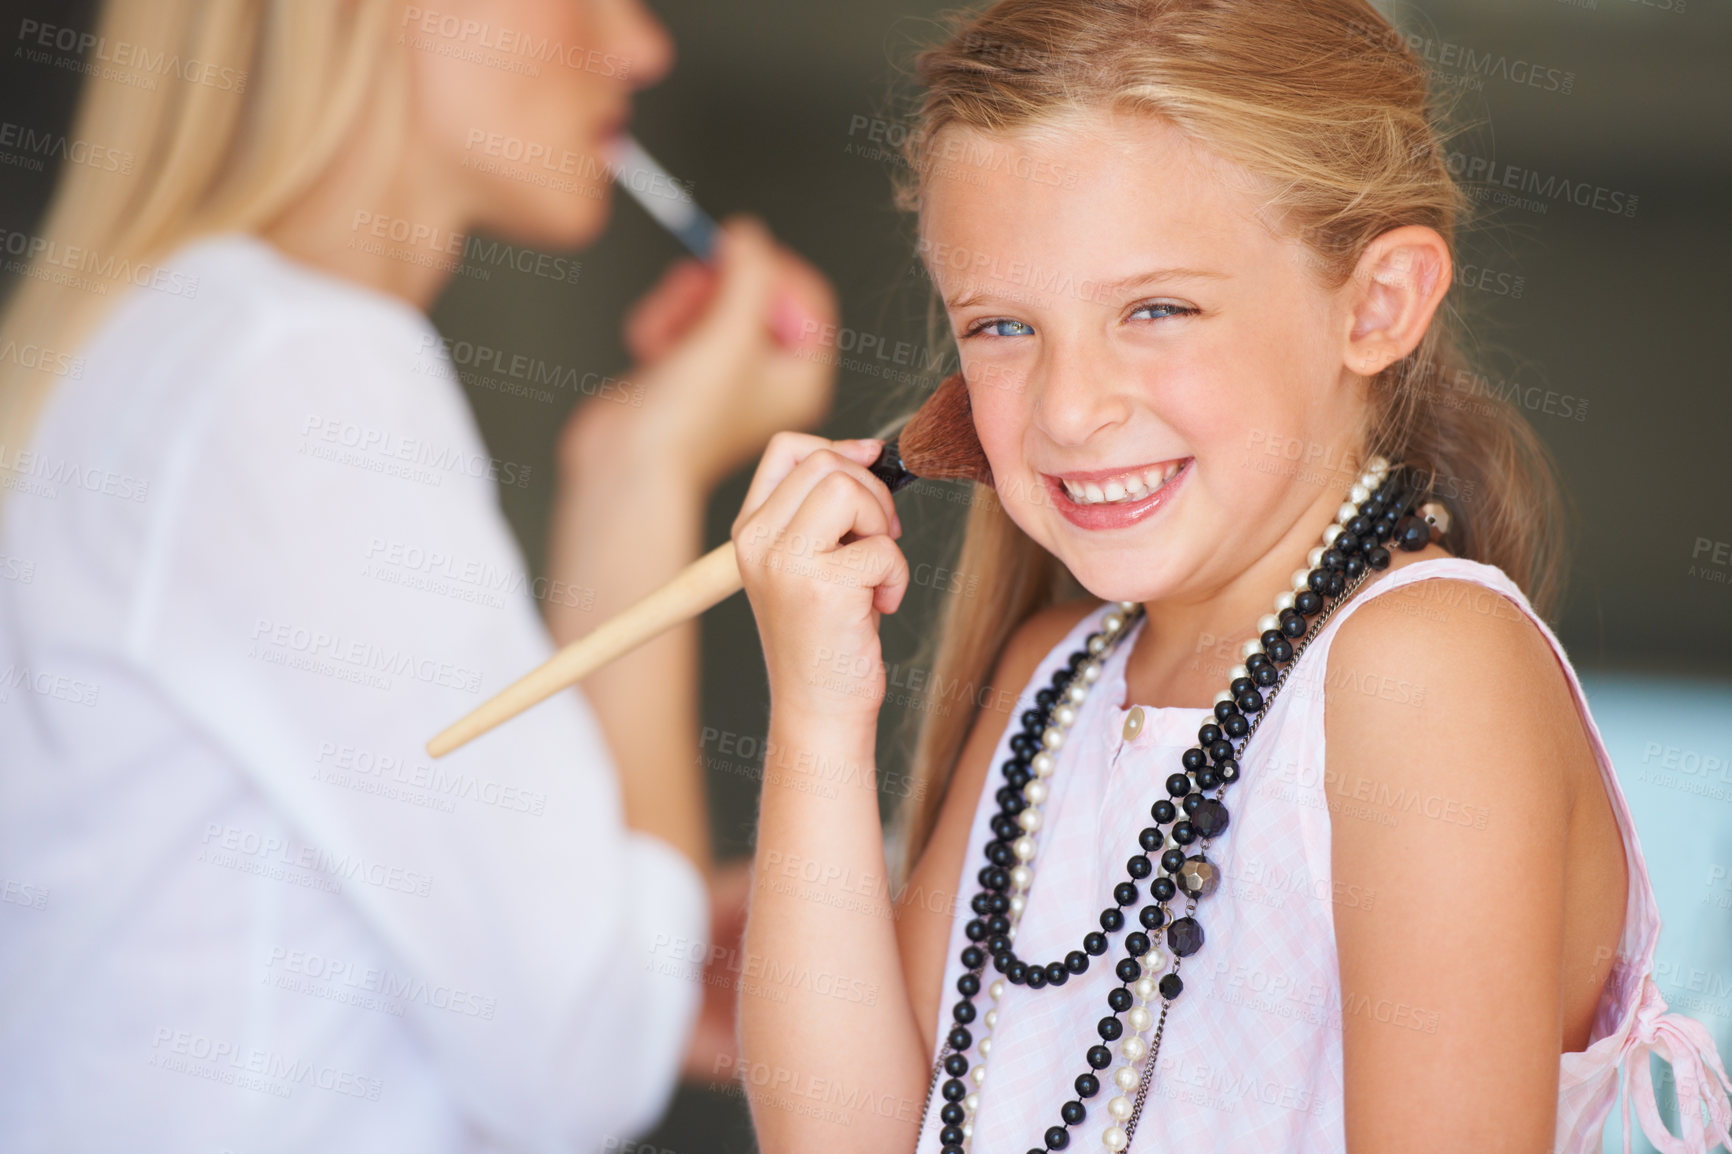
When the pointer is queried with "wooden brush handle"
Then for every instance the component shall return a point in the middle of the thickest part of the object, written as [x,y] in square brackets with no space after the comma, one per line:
[703,583]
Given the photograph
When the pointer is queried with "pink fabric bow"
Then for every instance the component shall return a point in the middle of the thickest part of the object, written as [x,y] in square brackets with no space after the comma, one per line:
[1684,1043]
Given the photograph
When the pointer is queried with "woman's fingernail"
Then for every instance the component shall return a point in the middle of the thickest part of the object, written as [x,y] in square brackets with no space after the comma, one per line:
[895,525]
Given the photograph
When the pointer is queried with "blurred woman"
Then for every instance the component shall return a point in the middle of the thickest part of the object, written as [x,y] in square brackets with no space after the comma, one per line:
[263,560]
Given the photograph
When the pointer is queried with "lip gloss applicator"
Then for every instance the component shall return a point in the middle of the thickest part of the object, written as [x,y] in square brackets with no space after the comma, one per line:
[669,203]
[637,172]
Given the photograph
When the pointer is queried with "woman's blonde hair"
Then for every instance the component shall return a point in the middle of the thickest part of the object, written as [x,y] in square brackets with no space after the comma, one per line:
[228,111]
[1326,102]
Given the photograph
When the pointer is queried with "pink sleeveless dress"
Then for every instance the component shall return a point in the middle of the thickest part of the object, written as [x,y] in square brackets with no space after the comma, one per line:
[1251,1054]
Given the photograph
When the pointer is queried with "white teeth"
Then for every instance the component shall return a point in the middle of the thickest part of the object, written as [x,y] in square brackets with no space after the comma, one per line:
[1131,487]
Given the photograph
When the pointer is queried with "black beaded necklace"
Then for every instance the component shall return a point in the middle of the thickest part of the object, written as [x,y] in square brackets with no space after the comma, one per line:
[1376,515]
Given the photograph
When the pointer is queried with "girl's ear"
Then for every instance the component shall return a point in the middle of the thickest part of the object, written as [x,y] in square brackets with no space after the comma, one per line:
[1398,284]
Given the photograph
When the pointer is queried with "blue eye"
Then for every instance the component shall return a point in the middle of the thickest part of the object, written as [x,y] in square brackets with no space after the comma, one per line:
[998,328]
[1166,309]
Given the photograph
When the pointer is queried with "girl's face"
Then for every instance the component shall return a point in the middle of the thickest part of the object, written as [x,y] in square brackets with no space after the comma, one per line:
[520,98]
[1158,381]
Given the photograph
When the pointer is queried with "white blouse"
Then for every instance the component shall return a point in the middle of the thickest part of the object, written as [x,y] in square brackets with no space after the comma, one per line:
[251,561]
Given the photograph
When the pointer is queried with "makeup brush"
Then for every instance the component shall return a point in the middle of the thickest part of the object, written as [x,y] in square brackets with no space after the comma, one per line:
[937,443]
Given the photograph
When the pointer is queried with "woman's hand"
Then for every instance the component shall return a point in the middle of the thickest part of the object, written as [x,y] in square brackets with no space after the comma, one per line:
[815,550]
[713,1054]
[727,355]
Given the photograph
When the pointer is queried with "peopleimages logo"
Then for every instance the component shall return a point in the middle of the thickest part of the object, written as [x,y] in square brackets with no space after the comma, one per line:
[37,39]
[324,971]
[476,39]
[36,145]
[49,473]
[253,1068]
[56,685]
[249,851]
[430,240]
[435,460]
[271,639]
[1496,176]
[385,771]
[474,362]
[46,360]
[89,268]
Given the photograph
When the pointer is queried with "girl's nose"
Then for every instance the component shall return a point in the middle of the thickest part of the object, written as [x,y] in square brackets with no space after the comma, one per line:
[1074,400]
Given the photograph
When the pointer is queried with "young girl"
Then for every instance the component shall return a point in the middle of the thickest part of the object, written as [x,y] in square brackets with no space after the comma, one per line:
[1300,836]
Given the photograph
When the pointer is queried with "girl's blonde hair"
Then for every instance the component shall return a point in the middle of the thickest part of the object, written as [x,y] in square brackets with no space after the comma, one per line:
[229,111]
[1326,102]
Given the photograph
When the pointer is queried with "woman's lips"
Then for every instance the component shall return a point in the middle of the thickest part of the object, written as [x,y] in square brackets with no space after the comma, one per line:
[1115,514]
[611,132]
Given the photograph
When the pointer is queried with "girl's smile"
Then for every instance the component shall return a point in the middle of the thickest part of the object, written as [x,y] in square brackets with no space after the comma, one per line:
[1116,498]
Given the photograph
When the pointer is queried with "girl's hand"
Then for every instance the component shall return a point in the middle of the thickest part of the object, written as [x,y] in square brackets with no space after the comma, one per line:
[815,550]
[727,355]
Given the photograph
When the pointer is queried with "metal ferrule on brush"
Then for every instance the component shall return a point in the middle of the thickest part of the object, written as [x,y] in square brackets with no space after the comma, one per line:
[889,467]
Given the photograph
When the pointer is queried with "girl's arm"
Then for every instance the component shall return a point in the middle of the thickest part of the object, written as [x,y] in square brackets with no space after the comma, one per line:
[1452,976]
[832,1058]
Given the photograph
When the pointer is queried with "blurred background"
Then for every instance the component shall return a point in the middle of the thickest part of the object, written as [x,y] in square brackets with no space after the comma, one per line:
[1608,325]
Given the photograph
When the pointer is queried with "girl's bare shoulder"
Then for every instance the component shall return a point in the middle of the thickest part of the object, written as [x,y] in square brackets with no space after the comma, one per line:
[1458,678]
[1469,641]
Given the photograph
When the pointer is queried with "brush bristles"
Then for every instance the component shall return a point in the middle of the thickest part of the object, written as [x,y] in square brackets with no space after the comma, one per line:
[939,443]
